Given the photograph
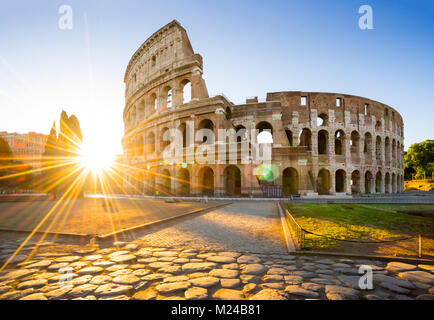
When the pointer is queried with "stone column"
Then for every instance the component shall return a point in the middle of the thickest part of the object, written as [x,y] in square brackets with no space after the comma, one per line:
[348,183]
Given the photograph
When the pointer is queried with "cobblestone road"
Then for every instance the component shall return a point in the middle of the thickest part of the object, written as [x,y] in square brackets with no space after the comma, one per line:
[234,252]
[240,226]
[128,271]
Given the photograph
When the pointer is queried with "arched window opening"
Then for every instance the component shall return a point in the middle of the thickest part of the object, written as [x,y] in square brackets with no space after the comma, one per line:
[153,102]
[323,182]
[165,139]
[378,182]
[305,139]
[378,149]
[355,182]
[206,126]
[378,126]
[367,147]
[241,133]
[387,151]
[183,182]
[265,134]
[150,143]
[340,177]
[206,181]
[387,182]
[339,142]
[186,91]
[368,182]
[322,142]
[289,181]
[322,120]
[289,136]
[165,178]
[232,176]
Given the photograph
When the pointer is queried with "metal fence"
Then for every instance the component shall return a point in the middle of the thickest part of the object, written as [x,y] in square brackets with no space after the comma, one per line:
[297,232]
[413,243]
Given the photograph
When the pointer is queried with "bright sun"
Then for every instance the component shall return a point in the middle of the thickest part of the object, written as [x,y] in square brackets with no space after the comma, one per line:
[95,157]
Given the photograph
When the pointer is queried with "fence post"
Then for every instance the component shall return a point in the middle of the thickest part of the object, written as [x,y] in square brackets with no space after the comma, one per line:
[420,245]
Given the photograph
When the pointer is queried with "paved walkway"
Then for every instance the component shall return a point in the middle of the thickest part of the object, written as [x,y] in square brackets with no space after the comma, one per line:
[235,252]
[241,226]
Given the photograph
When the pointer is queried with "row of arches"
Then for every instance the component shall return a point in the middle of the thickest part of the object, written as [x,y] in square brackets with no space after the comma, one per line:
[163,183]
[392,149]
[156,99]
[323,120]
[387,183]
[148,144]
[181,184]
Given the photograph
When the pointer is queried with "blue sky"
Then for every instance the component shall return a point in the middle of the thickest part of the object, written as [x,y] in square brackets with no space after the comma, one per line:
[249,48]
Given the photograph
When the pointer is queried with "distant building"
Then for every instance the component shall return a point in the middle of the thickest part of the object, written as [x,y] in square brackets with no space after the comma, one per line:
[27,147]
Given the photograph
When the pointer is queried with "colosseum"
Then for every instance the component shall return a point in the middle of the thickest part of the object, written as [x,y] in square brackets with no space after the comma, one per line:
[321,143]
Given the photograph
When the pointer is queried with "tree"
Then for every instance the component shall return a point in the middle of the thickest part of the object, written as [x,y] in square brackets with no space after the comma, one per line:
[5,161]
[419,159]
[61,151]
[5,151]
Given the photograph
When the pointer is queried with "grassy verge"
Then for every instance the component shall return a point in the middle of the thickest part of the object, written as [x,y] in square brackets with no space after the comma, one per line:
[359,221]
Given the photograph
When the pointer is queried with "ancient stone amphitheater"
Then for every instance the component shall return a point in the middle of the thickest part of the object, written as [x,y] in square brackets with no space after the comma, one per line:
[321,143]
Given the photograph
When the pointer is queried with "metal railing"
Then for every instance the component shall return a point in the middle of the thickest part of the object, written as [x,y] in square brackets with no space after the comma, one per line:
[297,232]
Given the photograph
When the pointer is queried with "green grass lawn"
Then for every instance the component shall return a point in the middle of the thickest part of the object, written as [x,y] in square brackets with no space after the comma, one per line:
[359,221]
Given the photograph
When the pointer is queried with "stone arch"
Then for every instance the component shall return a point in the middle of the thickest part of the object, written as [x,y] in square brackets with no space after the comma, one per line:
[378,126]
[167,97]
[367,147]
[323,137]
[265,132]
[378,182]
[164,138]
[241,133]
[165,182]
[207,126]
[378,151]
[183,182]
[393,152]
[368,182]
[140,144]
[186,90]
[305,139]
[354,142]
[150,184]
[323,182]
[206,181]
[387,182]
[232,177]
[355,182]
[387,151]
[322,120]
[393,188]
[152,103]
[340,180]
[340,142]
[289,181]
[141,110]
[150,143]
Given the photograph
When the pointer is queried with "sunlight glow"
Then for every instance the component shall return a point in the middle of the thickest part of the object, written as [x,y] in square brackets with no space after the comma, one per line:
[96,157]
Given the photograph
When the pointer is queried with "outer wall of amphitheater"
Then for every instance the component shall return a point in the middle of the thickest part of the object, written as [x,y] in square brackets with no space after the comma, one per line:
[322,143]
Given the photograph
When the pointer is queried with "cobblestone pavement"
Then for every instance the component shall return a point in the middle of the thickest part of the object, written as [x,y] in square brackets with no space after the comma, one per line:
[234,252]
[241,226]
[131,271]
